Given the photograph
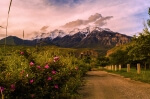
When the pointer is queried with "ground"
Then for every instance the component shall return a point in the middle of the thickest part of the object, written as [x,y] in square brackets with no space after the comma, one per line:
[103,85]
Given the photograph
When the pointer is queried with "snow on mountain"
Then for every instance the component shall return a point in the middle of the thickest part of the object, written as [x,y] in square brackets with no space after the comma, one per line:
[60,33]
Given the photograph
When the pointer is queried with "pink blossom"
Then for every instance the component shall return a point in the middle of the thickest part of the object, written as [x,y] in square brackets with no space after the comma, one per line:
[2,88]
[12,86]
[21,53]
[49,78]
[56,58]
[31,63]
[31,81]
[46,66]
[56,86]
[39,67]
[53,72]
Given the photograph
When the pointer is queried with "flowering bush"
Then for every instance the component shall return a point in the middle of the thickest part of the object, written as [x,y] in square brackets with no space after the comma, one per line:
[51,79]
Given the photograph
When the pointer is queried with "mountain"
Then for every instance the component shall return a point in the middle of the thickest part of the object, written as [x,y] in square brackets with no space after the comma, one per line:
[78,38]
[13,40]
[94,39]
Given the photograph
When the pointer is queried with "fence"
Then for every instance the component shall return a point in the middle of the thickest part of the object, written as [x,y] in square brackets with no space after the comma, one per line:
[119,68]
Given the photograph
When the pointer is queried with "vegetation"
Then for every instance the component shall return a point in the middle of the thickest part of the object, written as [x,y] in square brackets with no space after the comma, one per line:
[143,76]
[41,73]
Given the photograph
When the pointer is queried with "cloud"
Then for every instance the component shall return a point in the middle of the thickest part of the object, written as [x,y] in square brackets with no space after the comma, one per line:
[102,21]
[44,28]
[97,19]
[93,18]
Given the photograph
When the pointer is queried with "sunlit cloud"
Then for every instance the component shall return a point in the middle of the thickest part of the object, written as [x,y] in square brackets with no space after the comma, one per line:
[96,19]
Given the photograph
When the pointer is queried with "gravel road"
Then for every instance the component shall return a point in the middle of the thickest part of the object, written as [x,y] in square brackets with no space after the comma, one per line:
[103,85]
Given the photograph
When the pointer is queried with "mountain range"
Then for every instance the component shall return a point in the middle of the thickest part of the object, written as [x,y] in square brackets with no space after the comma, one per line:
[86,38]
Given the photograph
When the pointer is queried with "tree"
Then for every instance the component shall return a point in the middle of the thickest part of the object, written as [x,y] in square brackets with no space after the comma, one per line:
[119,57]
[102,61]
[148,21]
[140,52]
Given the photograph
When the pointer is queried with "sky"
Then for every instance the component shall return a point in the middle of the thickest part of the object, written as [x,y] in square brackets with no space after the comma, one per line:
[38,16]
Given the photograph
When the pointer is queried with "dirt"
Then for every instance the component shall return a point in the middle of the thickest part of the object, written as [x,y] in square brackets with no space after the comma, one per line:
[103,85]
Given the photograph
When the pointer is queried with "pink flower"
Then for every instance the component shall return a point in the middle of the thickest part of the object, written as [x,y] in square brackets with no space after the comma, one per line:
[31,81]
[56,86]
[53,72]
[21,53]
[12,86]
[31,63]
[46,66]
[56,58]
[2,88]
[49,78]
[39,67]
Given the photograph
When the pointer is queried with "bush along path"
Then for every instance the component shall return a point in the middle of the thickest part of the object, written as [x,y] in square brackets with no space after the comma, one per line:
[52,79]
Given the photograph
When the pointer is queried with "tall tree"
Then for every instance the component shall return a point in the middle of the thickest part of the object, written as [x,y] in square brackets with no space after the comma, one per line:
[148,19]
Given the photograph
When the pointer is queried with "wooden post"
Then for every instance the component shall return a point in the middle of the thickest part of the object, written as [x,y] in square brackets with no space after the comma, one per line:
[128,67]
[115,67]
[120,67]
[109,67]
[138,68]
[112,67]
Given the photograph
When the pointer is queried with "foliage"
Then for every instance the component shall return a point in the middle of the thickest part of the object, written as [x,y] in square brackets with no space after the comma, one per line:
[148,21]
[43,73]
[119,57]
[102,61]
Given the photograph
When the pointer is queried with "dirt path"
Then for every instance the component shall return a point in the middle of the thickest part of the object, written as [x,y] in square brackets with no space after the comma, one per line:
[102,85]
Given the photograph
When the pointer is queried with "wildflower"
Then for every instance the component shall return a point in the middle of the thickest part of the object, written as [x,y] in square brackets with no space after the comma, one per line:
[21,53]
[53,72]
[39,67]
[49,78]
[31,81]
[46,66]
[12,87]
[31,63]
[56,86]
[2,88]
[56,58]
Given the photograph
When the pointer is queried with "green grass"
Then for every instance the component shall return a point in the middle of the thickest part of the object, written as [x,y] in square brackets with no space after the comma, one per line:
[144,76]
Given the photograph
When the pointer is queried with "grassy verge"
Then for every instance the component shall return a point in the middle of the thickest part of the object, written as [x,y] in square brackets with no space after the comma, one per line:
[144,76]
